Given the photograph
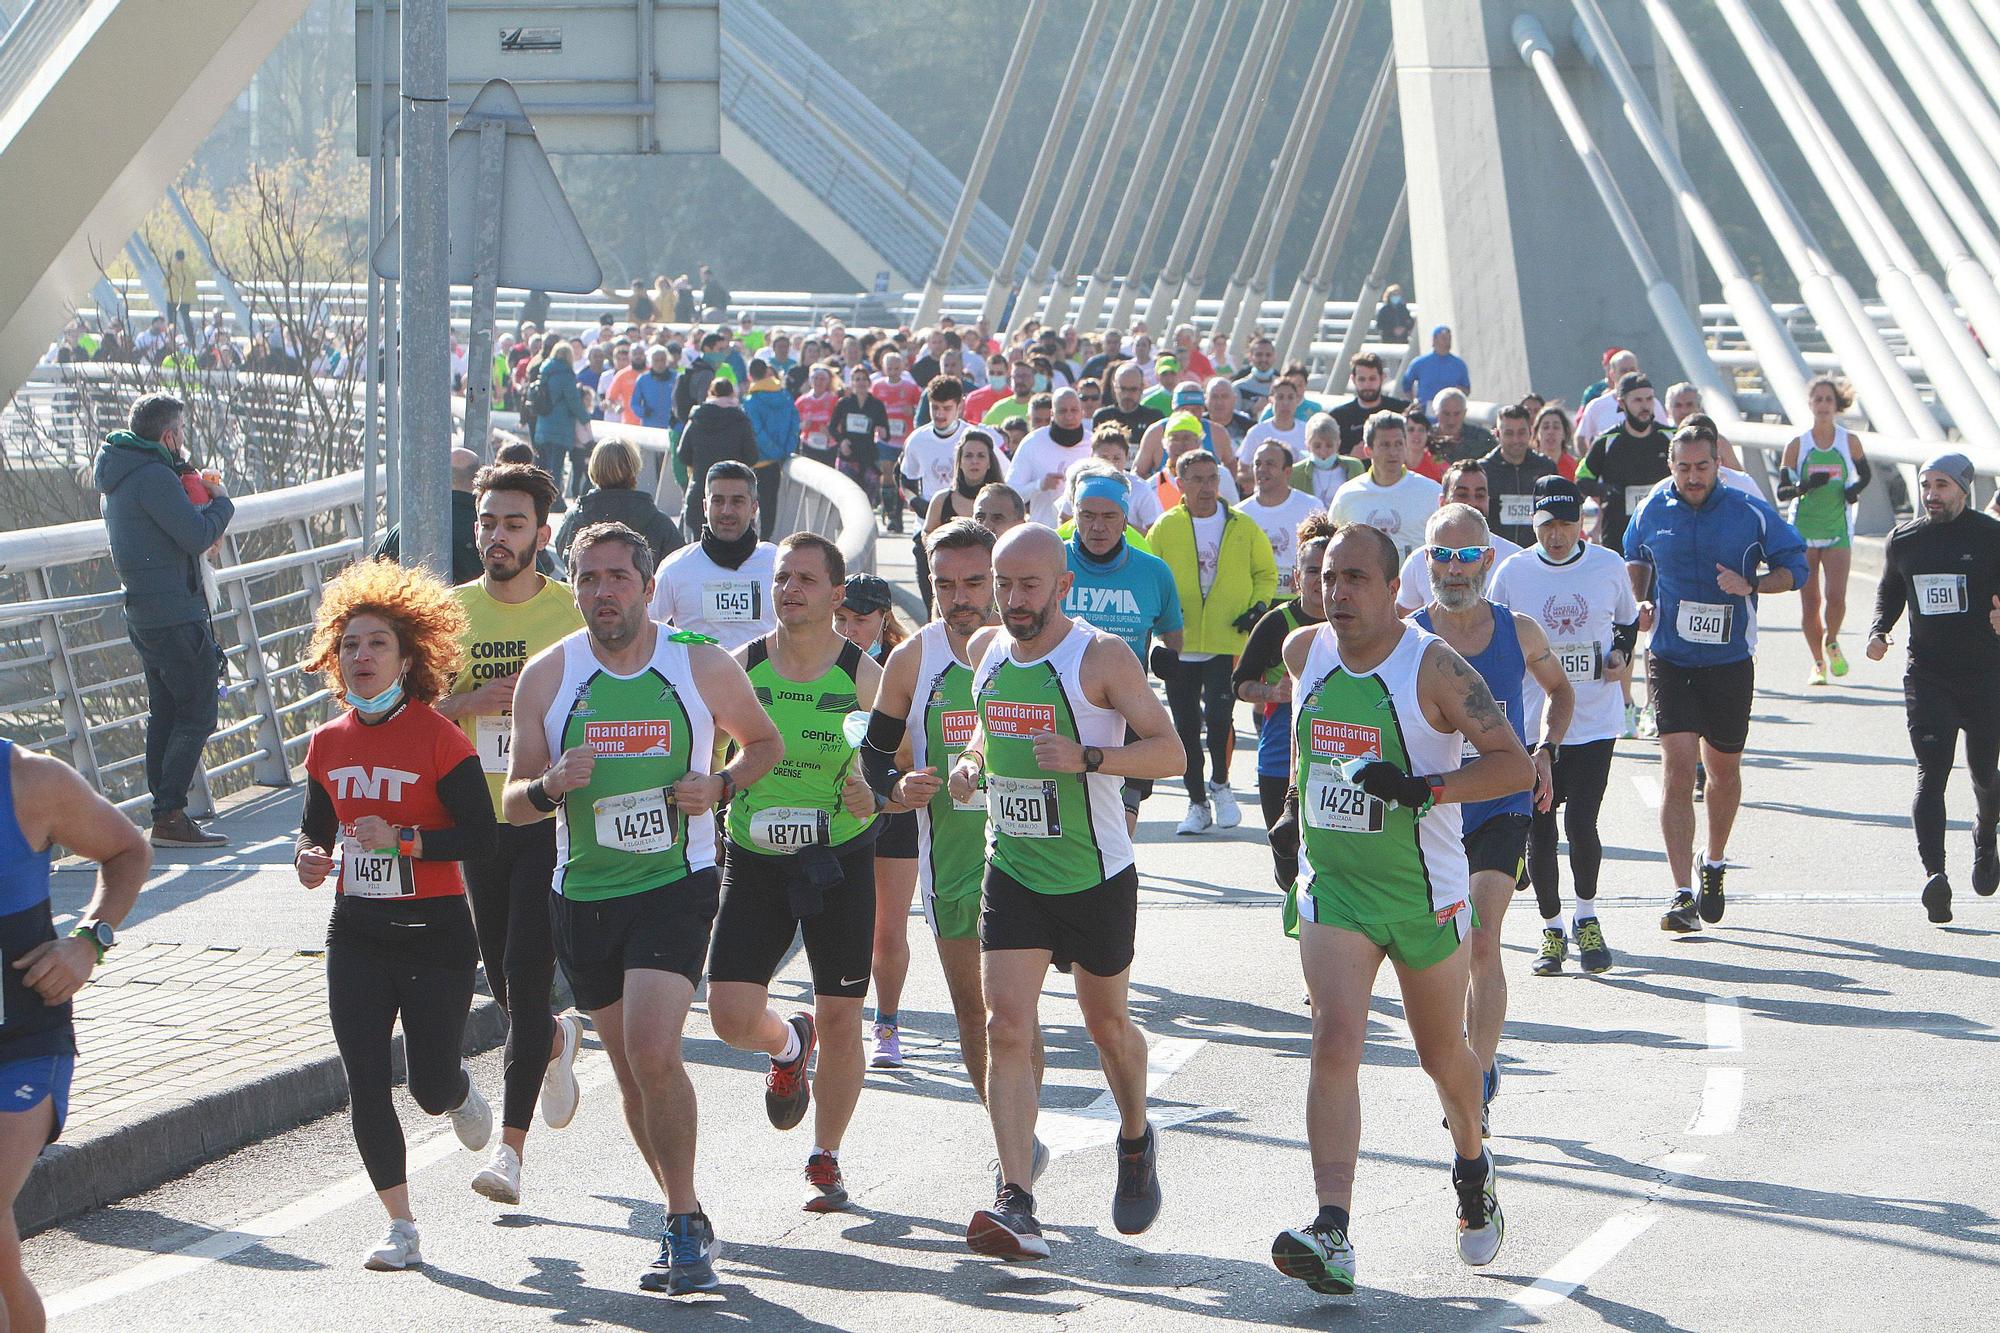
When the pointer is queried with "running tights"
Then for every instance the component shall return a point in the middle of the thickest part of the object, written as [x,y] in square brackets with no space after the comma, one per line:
[1581,772]
[1936,748]
[1199,692]
[511,911]
[1271,789]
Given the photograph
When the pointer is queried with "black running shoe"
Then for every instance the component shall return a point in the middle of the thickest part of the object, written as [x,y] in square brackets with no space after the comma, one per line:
[1008,1230]
[787,1090]
[1710,903]
[1937,899]
[1680,917]
[1985,869]
[1319,1256]
[1137,1201]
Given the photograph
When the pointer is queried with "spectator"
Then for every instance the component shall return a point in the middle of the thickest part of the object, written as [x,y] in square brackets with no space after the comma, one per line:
[716,432]
[558,409]
[1393,321]
[714,296]
[639,307]
[465,562]
[183,291]
[1436,370]
[684,311]
[153,341]
[775,419]
[158,534]
[614,497]
[653,392]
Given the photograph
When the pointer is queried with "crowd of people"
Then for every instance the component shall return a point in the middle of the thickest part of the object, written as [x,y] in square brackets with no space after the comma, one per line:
[706,744]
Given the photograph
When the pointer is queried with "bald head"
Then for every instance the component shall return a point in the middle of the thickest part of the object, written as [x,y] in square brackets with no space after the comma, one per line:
[1030,579]
[464,467]
[1031,546]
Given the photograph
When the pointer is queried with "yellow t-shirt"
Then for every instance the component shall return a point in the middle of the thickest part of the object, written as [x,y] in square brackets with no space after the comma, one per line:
[502,639]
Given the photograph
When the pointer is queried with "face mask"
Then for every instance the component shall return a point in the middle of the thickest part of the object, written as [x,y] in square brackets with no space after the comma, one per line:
[1264,376]
[1327,464]
[381,703]
[1041,384]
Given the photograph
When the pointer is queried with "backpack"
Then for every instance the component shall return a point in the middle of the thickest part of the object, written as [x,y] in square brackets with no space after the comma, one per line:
[539,400]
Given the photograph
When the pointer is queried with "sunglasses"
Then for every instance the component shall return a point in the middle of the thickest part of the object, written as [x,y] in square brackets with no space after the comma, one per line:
[1462,555]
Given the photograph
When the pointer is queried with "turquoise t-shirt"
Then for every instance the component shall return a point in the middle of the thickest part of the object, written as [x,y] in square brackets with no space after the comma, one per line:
[1134,598]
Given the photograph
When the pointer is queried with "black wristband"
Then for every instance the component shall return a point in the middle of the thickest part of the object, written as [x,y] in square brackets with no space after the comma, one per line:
[538,796]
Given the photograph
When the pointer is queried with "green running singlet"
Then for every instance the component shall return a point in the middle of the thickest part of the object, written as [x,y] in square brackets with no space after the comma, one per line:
[951,838]
[797,805]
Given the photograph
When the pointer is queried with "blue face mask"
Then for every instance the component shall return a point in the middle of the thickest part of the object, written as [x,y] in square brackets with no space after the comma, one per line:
[381,703]
[1264,376]
[1327,464]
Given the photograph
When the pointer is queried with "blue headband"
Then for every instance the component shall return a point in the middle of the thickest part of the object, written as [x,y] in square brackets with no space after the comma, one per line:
[1099,487]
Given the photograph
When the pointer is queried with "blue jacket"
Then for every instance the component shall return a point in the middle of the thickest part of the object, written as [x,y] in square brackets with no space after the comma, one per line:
[653,399]
[157,534]
[1684,543]
[775,418]
[565,404]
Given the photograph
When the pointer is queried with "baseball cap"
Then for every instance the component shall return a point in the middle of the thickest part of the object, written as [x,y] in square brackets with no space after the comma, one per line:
[1165,363]
[866,593]
[1559,498]
[1632,379]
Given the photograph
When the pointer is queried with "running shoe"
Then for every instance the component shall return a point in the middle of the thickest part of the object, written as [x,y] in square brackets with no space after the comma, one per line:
[1008,1230]
[1038,1162]
[888,1048]
[1137,1200]
[787,1090]
[1937,899]
[473,1120]
[1817,676]
[560,1092]
[1680,917]
[1985,869]
[1319,1256]
[1710,903]
[688,1251]
[1196,820]
[397,1250]
[1591,950]
[1700,780]
[1649,723]
[1481,1227]
[1555,949]
[1228,814]
[1836,661]
[1631,731]
[500,1179]
[829,1189]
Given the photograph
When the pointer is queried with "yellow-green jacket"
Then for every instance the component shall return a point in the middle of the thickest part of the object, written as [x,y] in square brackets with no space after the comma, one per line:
[1246,573]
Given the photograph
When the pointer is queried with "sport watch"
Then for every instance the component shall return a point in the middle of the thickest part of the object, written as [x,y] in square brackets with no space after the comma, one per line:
[1093,759]
[99,933]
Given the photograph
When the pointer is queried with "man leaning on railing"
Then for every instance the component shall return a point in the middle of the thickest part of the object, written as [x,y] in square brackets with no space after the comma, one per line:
[161,516]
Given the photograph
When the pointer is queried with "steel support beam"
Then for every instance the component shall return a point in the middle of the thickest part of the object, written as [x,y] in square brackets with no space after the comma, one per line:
[1336,380]
[425,396]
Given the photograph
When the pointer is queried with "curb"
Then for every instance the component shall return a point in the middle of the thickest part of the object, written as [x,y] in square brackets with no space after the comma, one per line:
[70,1180]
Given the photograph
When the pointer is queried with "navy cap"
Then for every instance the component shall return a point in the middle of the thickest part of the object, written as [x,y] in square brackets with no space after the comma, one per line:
[1558,497]
[866,593]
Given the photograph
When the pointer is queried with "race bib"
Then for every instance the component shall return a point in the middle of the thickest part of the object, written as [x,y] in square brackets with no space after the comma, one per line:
[1705,622]
[1517,511]
[1023,807]
[1340,806]
[1939,594]
[640,822]
[786,829]
[1636,496]
[817,439]
[738,601]
[495,742]
[365,873]
[1580,661]
[858,424]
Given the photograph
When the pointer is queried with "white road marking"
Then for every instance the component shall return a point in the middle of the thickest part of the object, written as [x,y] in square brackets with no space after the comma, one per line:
[1725,1023]
[1649,789]
[1602,1245]
[1096,1125]
[1721,1103]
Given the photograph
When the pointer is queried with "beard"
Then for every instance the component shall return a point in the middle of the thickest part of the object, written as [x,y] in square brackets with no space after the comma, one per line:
[508,567]
[1458,597]
[1032,629]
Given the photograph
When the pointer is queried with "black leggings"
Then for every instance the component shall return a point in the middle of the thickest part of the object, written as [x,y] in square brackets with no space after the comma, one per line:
[1936,748]
[1271,789]
[1581,772]
[1198,692]
[511,903]
[384,959]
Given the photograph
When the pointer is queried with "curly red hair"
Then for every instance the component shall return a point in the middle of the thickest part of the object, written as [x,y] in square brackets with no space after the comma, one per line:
[430,624]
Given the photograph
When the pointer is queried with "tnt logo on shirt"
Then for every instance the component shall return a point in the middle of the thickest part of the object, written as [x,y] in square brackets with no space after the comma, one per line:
[1012,719]
[355,783]
[653,738]
[958,725]
[1344,740]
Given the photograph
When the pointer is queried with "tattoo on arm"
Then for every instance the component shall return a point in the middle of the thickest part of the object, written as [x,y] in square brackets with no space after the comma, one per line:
[1478,701]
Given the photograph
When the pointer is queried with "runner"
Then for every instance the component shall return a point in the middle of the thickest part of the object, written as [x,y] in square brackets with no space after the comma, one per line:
[1260,680]
[975,463]
[866,618]
[1693,551]
[44,804]
[1060,885]
[860,429]
[1383,714]
[1823,473]
[816,416]
[512,613]
[802,862]
[1387,497]
[1041,463]
[1284,425]
[1276,507]
[999,508]
[1508,650]
[1324,469]
[398,791]
[899,394]
[617,732]
[720,586]
[1946,567]
[1365,375]
[1464,484]
[1581,594]
[1512,469]
[1626,462]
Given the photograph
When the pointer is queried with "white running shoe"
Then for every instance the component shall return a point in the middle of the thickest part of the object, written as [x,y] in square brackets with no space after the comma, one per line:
[1481,1227]
[560,1092]
[1228,814]
[500,1179]
[1196,820]
[397,1250]
[473,1120]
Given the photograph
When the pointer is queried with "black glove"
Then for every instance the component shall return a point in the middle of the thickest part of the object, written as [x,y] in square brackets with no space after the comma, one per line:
[1385,782]
[1248,620]
[1284,833]
[1815,481]
[1788,485]
[1165,661]
[1853,493]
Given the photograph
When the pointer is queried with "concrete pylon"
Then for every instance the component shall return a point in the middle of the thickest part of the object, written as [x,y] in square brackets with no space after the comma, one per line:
[1532,285]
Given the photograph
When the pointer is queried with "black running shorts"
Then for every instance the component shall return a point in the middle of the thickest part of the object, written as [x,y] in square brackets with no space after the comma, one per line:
[1092,929]
[661,930]
[755,926]
[1711,701]
[1501,844]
